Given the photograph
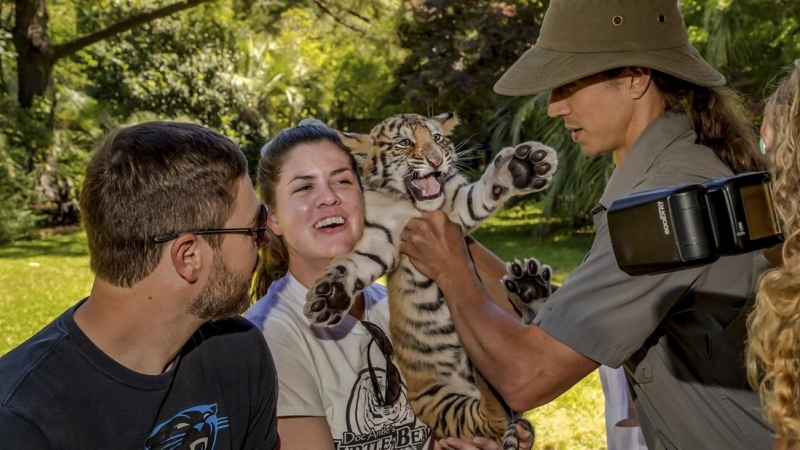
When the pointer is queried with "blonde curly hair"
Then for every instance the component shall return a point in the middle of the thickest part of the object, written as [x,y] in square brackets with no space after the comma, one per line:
[773,351]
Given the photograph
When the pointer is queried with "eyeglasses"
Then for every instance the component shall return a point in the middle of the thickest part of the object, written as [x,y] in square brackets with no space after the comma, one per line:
[393,383]
[259,232]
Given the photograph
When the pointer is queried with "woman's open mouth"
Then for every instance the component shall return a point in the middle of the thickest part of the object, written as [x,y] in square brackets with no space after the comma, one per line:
[330,223]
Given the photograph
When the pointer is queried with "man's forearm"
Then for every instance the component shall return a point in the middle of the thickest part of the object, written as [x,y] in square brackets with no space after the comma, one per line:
[474,315]
[527,366]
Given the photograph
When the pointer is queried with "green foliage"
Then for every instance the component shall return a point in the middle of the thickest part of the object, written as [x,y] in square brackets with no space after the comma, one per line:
[247,69]
[17,169]
[15,193]
[40,279]
[247,84]
[748,41]
[457,51]
[174,67]
[313,66]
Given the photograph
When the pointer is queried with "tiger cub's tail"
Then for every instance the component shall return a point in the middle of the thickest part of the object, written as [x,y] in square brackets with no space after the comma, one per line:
[510,438]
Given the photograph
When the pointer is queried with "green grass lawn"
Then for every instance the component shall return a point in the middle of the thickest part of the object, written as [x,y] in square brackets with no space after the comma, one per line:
[40,279]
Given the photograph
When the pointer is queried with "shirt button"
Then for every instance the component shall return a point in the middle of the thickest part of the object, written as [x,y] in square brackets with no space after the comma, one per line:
[645,373]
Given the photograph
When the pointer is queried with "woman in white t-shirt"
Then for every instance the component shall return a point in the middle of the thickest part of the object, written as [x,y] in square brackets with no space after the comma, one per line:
[332,380]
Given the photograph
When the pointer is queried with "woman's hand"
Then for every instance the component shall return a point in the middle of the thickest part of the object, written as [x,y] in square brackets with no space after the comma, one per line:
[523,434]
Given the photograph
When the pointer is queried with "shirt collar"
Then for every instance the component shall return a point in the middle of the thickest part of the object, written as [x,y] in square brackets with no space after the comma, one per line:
[659,135]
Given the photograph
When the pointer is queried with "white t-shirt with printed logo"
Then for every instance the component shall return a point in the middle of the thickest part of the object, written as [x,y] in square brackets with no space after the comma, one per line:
[324,372]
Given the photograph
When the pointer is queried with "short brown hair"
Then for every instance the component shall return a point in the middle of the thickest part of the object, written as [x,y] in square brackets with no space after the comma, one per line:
[153,179]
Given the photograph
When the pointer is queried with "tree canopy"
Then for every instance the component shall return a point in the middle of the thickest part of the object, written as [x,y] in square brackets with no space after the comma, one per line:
[71,70]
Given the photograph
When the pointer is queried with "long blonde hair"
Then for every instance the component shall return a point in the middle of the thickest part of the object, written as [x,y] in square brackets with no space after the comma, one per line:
[773,351]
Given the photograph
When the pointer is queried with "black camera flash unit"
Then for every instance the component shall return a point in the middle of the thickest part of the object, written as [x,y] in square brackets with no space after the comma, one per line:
[687,225]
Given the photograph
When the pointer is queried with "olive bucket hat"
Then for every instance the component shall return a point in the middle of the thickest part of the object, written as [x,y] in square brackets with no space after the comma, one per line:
[579,38]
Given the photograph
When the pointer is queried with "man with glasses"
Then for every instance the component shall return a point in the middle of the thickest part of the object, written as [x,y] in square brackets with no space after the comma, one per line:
[155,357]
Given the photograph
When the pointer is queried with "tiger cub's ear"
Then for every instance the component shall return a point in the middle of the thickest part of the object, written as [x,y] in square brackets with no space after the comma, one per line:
[447,121]
[359,144]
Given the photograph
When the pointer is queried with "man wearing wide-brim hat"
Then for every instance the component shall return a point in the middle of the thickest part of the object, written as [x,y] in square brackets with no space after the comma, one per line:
[626,81]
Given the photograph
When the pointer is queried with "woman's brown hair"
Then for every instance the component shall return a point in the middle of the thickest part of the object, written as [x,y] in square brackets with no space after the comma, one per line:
[274,259]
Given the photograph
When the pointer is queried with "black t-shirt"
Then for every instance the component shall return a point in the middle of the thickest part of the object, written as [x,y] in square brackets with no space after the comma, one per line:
[58,390]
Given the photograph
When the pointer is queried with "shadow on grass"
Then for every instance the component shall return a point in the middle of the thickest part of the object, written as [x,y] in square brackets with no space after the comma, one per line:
[68,245]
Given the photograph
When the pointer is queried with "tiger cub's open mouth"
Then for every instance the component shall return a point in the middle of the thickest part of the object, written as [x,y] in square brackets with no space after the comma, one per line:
[425,188]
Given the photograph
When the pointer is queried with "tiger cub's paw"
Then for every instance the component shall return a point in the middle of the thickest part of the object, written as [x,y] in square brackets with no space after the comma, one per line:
[331,297]
[528,286]
[529,167]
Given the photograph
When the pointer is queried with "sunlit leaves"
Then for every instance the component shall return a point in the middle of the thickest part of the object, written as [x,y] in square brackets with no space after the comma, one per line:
[748,41]
[458,50]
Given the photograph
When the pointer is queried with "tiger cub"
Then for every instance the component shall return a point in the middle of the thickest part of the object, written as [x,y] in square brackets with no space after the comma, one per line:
[409,165]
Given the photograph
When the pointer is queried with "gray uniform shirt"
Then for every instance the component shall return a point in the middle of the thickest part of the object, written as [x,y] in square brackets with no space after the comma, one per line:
[680,335]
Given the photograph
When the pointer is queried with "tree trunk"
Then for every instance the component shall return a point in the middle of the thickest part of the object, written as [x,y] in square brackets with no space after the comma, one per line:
[35,60]
[34,77]
[34,54]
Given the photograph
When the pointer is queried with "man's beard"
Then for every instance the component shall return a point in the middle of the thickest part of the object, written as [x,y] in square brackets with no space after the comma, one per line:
[225,295]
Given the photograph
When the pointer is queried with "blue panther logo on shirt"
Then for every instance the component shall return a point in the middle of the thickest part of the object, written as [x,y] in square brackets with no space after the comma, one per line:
[192,429]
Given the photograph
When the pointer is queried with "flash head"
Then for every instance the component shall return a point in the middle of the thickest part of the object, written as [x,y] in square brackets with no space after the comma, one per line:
[687,225]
